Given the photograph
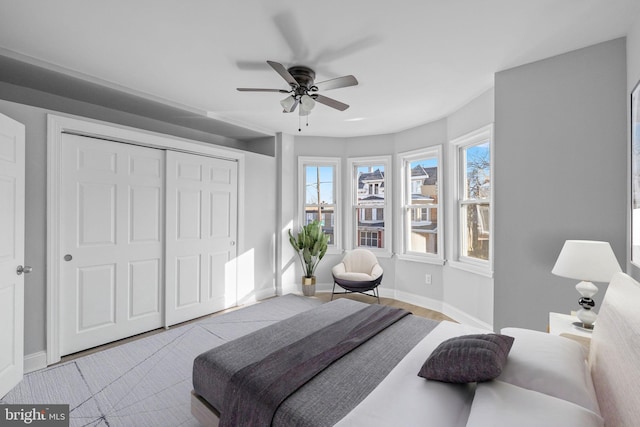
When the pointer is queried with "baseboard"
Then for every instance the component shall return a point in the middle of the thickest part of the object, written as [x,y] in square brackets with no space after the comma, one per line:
[465,318]
[324,287]
[265,293]
[444,308]
[35,361]
[422,301]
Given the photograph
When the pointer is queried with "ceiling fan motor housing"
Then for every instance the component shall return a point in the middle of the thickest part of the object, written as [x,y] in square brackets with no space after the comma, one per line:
[304,76]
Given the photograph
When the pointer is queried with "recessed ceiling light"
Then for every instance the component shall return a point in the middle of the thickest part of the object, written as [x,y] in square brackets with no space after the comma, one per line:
[356,119]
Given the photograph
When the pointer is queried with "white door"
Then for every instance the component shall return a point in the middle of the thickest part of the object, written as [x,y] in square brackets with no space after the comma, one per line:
[202,198]
[11,253]
[112,213]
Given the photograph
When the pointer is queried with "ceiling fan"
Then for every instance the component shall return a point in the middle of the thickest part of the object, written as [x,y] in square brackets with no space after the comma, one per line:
[303,90]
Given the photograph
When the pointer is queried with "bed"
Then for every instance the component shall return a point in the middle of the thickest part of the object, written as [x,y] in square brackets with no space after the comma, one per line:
[543,380]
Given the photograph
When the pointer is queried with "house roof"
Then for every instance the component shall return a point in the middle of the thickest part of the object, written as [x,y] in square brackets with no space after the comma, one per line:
[430,174]
[367,177]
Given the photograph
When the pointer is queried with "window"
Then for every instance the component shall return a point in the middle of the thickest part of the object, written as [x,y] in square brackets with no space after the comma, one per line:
[369,214]
[474,188]
[369,239]
[421,236]
[319,192]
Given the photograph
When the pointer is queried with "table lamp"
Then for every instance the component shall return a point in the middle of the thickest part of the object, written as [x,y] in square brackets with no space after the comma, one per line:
[589,261]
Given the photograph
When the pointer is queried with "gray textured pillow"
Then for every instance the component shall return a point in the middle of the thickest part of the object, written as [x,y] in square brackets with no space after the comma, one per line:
[468,358]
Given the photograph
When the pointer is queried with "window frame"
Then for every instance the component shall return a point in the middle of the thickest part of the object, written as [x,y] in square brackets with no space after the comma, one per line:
[350,217]
[404,227]
[335,162]
[459,201]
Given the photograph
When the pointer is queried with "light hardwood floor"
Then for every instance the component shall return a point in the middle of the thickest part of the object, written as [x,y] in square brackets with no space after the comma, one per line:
[322,296]
[418,311]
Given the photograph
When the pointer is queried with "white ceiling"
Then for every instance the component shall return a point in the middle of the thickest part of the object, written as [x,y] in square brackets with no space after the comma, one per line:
[416,60]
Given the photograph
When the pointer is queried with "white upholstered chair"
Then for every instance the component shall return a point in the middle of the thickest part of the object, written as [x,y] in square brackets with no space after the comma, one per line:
[359,272]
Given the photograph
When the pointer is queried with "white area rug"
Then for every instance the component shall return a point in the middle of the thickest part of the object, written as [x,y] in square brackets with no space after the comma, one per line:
[146,382]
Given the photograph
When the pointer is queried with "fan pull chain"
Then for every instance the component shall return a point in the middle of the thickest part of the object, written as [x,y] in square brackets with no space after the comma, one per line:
[299,125]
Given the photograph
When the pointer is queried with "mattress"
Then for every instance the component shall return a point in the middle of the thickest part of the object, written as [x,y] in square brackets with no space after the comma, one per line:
[332,394]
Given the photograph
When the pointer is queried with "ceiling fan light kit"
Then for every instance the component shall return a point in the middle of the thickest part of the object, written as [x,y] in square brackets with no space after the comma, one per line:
[303,90]
[288,103]
[307,103]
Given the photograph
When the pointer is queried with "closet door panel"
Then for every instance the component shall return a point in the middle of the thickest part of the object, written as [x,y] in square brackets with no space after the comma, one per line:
[112,226]
[201,235]
[145,287]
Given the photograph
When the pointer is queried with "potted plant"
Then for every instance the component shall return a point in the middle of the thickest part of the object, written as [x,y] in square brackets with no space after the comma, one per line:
[311,245]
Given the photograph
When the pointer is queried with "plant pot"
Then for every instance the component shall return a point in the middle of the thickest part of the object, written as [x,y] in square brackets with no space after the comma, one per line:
[309,286]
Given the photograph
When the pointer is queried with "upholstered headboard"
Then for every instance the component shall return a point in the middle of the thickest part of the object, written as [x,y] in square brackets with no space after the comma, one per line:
[614,355]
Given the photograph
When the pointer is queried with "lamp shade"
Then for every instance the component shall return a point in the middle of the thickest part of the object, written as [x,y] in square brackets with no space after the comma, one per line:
[586,260]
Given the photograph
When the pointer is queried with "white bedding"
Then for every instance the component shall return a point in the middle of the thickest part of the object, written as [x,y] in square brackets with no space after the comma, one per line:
[551,365]
[403,398]
[499,404]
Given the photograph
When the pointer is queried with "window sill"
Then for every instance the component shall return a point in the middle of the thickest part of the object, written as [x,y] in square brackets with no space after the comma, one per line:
[475,269]
[380,253]
[334,251]
[420,259]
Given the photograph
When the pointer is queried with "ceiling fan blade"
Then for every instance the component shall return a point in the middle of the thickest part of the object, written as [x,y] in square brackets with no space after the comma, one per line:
[330,102]
[283,72]
[344,81]
[293,107]
[252,89]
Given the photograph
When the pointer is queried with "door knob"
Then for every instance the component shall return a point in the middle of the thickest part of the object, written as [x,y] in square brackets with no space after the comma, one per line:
[26,269]
[68,257]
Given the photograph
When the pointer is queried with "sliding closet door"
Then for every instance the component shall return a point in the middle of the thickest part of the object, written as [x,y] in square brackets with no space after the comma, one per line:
[200,236]
[111,241]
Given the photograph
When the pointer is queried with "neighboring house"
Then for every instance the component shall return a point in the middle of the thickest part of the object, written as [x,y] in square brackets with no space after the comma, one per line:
[371,216]
[424,221]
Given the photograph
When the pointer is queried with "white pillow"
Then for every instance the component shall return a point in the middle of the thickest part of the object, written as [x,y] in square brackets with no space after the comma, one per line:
[499,404]
[550,364]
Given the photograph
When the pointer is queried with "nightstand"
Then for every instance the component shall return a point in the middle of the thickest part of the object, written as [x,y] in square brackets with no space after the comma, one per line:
[562,324]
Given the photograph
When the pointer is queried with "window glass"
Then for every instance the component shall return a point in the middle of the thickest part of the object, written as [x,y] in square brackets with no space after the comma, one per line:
[475,201]
[477,171]
[370,183]
[421,204]
[319,194]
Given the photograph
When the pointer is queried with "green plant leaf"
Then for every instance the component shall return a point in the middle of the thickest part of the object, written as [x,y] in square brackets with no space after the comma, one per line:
[311,245]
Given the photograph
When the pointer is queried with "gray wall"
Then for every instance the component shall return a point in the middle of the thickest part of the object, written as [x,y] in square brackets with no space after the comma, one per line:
[286,273]
[256,273]
[633,76]
[466,291]
[560,156]
[35,221]
[50,102]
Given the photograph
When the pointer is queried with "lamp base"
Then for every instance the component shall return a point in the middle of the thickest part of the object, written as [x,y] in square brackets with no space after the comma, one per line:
[581,325]
[587,317]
